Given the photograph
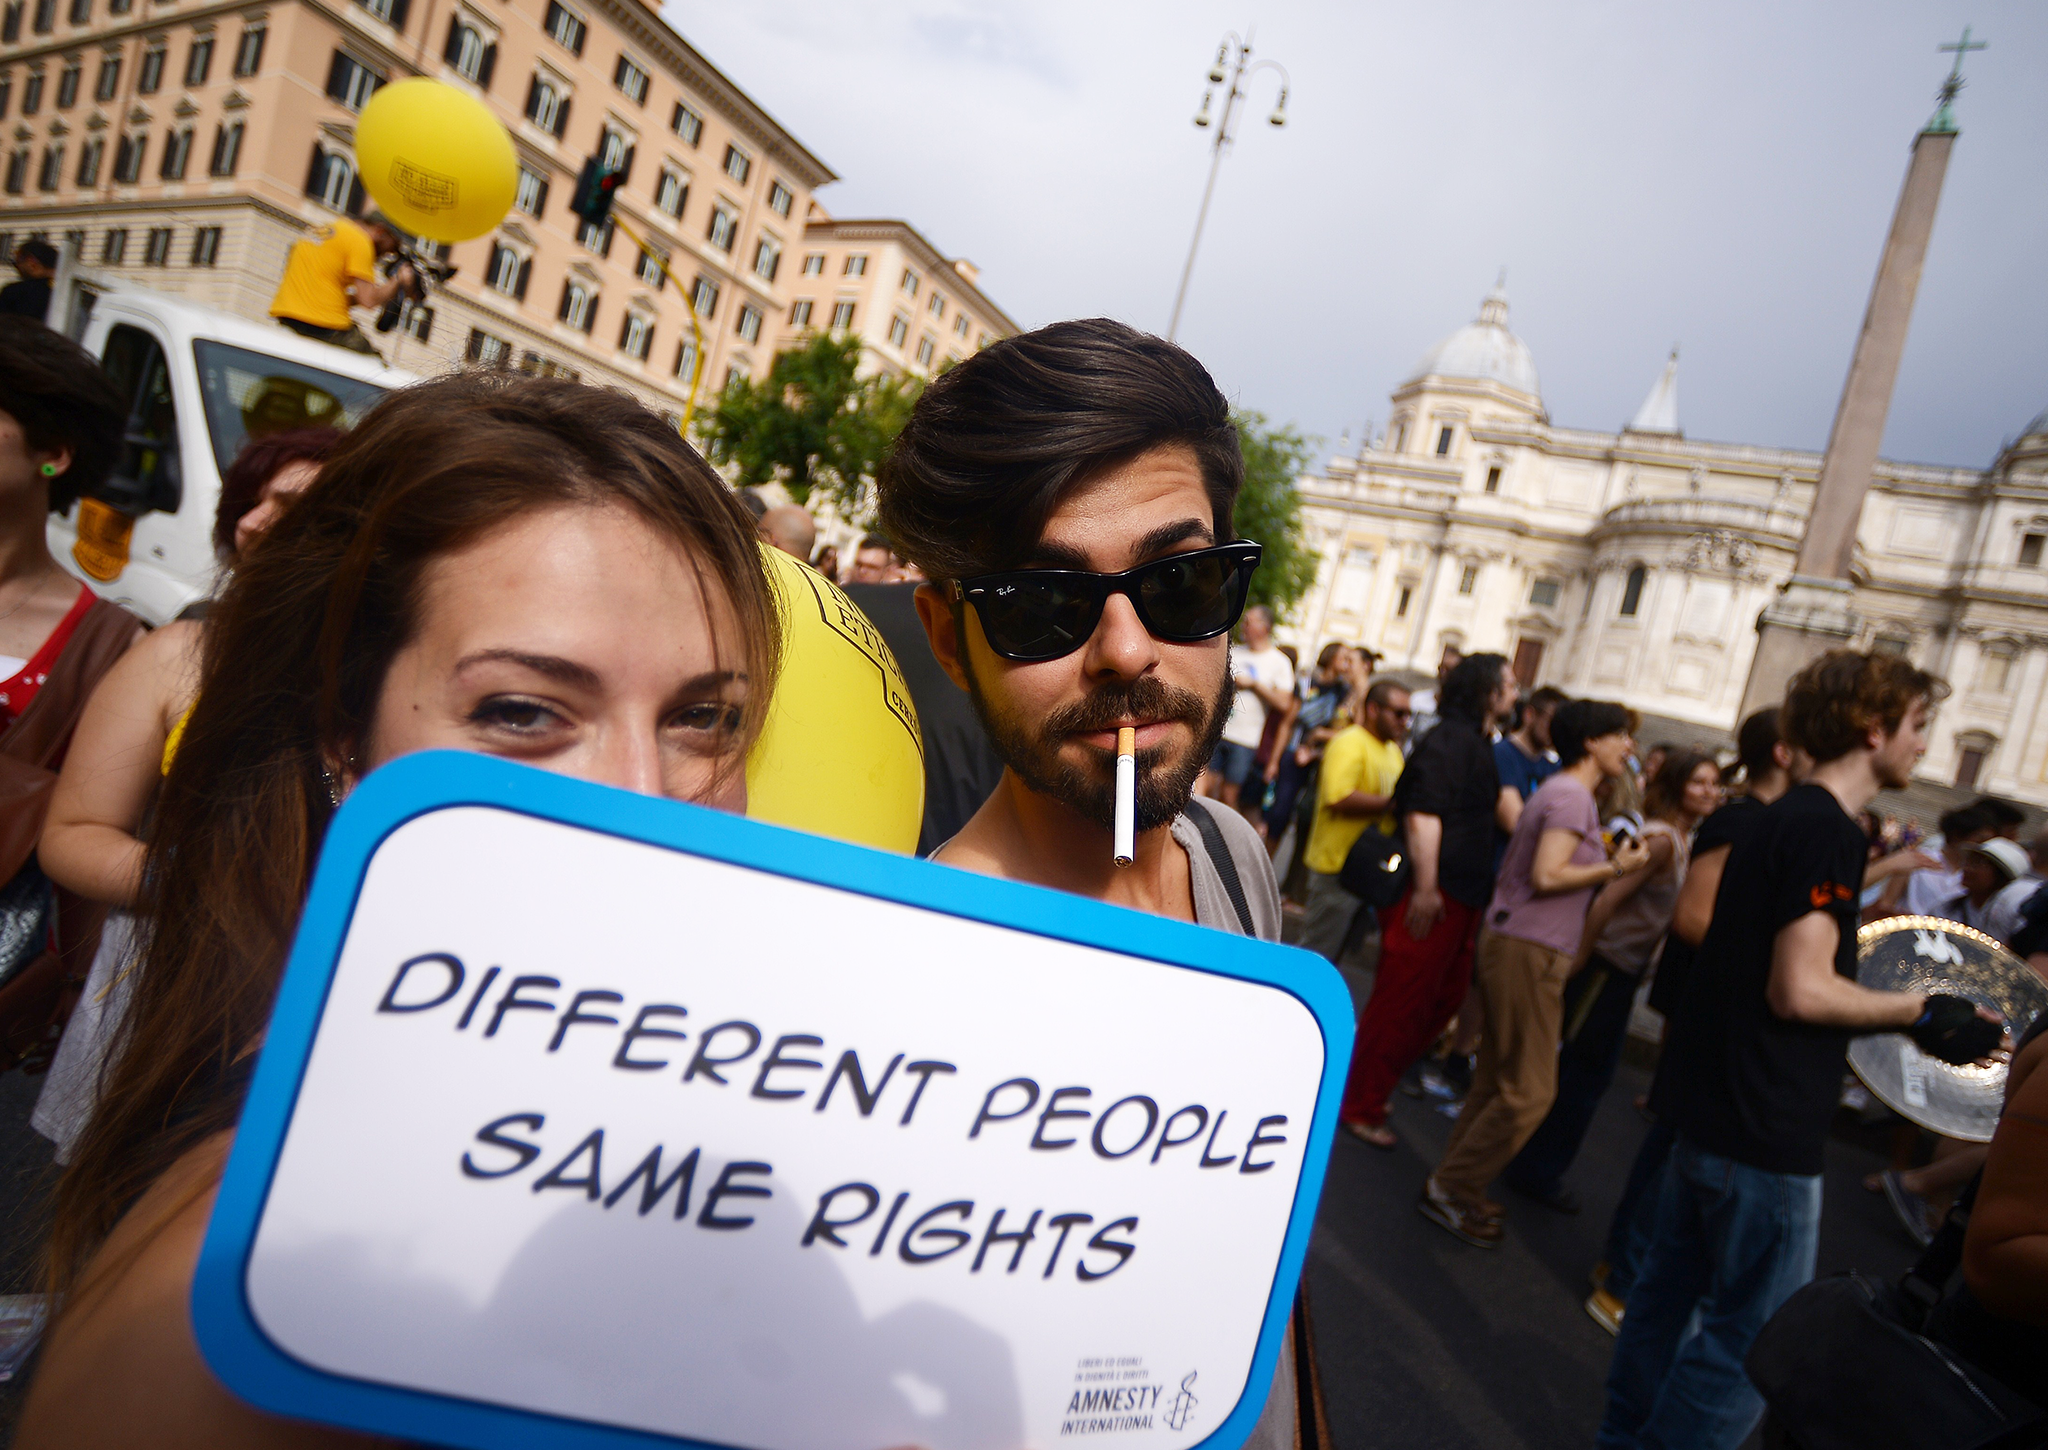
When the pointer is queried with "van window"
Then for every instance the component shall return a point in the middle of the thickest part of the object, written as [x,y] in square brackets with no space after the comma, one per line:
[252,395]
[147,474]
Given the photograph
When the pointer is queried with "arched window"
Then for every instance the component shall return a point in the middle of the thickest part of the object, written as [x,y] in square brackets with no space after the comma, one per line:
[1632,592]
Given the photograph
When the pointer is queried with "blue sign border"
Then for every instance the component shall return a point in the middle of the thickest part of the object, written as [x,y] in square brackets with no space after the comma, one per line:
[258,1370]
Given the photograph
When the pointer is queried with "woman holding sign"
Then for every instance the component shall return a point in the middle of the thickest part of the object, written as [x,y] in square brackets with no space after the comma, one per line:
[458,577]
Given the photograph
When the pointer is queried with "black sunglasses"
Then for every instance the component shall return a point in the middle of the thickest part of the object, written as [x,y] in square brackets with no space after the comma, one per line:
[1030,615]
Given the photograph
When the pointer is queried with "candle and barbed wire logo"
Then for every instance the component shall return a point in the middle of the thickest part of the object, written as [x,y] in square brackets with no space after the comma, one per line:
[1183,1404]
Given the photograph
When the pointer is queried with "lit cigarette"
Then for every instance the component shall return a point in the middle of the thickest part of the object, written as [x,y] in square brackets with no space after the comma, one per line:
[1126,795]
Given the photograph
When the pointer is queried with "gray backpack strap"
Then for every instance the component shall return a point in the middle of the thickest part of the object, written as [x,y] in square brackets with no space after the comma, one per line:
[1220,858]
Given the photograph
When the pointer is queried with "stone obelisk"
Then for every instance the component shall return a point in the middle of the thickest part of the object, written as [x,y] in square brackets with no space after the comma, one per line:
[1815,611]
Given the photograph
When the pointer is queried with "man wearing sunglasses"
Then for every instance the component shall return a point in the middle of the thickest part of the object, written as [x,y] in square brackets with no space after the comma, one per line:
[1068,494]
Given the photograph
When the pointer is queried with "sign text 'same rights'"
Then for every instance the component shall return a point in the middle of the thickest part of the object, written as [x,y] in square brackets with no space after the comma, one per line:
[587,1119]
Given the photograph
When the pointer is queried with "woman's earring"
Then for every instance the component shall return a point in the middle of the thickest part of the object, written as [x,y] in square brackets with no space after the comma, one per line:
[333,786]
[49,470]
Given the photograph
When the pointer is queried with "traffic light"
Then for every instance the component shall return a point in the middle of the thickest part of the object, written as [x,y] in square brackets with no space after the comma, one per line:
[596,184]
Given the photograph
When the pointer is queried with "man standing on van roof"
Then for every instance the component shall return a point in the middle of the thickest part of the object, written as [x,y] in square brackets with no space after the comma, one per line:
[36,261]
[323,279]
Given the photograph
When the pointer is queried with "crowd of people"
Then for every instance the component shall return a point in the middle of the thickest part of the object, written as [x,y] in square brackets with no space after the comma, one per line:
[1057,564]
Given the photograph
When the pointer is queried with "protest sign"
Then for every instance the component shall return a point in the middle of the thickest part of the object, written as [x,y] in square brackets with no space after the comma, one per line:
[591,1119]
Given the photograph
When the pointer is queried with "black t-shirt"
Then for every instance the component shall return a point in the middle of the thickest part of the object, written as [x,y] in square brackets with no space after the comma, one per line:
[1738,1079]
[1732,823]
[30,297]
[1451,775]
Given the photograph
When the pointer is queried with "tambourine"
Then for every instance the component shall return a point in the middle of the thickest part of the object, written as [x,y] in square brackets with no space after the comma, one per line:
[1933,954]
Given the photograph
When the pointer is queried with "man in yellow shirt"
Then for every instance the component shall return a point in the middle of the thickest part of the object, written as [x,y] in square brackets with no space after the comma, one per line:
[1355,793]
[324,277]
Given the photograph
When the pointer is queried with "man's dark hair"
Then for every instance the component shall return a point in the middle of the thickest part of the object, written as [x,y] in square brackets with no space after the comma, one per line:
[1578,721]
[55,390]
[1548,697]
[2003,814]
[1965,821]
[873,541]
[994,444]
[1470,685]
[1756,744]
[1833,704]
[1382,692]
[39,250]
[1328,653]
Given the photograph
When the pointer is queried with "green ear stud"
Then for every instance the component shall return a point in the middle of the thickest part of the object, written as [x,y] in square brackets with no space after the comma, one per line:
[49,470]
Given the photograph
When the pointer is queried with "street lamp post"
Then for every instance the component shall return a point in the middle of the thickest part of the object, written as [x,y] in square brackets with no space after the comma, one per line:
[1236,56]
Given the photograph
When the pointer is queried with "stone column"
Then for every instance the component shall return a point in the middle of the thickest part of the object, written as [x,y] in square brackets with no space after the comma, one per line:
[1814,612]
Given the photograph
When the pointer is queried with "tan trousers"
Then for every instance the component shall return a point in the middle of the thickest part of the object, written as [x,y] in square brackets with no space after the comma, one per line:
[1522,985]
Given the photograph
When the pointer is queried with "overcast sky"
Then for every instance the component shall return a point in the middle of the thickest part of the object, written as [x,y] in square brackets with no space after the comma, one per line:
[1720,176]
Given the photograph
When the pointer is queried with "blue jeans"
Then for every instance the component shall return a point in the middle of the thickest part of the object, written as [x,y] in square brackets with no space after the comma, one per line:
[1234,762]
[1635,1217]
[1731,1244]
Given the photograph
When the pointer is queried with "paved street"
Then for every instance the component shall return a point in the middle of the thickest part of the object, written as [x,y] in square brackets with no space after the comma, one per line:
[1425,1342]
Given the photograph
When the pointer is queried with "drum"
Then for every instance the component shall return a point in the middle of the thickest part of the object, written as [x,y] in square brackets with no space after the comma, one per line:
[1931,954]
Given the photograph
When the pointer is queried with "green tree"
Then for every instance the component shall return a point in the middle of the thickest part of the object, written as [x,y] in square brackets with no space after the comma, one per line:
[1269,509]
[811,423]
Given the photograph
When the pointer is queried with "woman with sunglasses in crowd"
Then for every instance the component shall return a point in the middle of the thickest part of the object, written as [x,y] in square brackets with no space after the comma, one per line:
[123,747]
[455,578]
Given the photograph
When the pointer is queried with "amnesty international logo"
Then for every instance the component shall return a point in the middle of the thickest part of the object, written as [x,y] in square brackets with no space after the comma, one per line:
[422,189]
[1183,1404]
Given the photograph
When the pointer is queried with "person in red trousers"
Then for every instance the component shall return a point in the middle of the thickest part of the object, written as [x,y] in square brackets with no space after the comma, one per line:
[1447,801]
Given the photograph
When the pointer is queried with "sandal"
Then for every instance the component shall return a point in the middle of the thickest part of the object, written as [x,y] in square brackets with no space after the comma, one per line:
[1376,1135]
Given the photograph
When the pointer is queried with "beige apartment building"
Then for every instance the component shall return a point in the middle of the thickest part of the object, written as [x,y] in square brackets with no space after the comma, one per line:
[186,144]
[913,308]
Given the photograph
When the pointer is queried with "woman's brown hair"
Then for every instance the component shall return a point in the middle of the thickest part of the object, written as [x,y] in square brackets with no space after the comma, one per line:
[1664,793]
[296,652]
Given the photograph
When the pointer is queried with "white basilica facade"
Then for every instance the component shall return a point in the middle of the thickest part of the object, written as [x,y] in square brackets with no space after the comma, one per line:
[1632,565]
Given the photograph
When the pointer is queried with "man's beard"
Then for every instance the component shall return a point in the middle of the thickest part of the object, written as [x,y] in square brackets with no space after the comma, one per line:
[1164,785]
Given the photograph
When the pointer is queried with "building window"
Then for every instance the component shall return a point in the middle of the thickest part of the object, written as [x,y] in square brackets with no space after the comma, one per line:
[814,264]
[156,248]
[938,304]
[351,82]
[128,157]
[842,316]
[1493,479]
[779,198]
[1544,593]
[737,373]
[227,148]
[81,12]
[473,57]
[2030,549]
[1401,603]
[530,192]
[749,325]
[960,324]
[547,107]
[856,265]
[10,24]
[767,258]
[114,247]
[17,170]
[332,182]
[249,51]
[1468,580]
[419,323]
[109,81]
[800,312]
[67,86]
[567,30]
[686,357]
[177,151]
[899,329]
[151,76]
[597,238]
[614,151]
[487,349]
[630,79]
[704,296]
[45,18]
[89,162]
[507,273]
[725,227]
[1632,592]
[205,246]
[1443,440]
[671,192]
[52,169]
[687,124]
[910,282]
[924,351]
[391,12]
[32,94]
[1994,671]
[199,61]
[579,306]
[649,270]
[1891,644]
[636,337]
[738,165]
[6,93]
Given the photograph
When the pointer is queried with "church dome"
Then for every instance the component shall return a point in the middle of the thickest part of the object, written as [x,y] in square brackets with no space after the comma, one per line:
[1483,350]
[2038,428]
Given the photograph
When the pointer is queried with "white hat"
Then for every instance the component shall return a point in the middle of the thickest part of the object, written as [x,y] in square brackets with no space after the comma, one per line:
[2009,856]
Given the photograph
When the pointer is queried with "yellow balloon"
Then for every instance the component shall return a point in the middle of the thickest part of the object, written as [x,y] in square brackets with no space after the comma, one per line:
[841,755]
[436,160]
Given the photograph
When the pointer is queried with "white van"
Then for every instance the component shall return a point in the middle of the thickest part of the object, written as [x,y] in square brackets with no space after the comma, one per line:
[199,382]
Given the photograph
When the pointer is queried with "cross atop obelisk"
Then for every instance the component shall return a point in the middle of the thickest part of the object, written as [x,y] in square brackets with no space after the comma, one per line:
[1815,610]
